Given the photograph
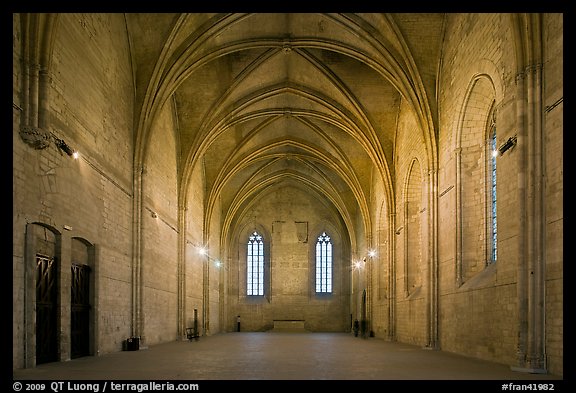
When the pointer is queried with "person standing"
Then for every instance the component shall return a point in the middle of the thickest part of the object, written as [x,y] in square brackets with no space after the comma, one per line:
[238,323]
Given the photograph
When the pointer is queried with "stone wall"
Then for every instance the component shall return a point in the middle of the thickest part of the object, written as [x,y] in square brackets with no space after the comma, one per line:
[290,219]
[87,101]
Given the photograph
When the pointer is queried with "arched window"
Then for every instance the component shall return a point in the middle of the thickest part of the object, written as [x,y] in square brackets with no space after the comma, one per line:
[493,224]
[255,265]
[324,264]
[476,182]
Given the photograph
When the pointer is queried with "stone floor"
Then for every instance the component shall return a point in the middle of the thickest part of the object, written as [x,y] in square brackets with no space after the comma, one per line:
[281,356]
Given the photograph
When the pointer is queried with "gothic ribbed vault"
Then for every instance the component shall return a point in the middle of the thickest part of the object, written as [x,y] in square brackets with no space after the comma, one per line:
[264,99]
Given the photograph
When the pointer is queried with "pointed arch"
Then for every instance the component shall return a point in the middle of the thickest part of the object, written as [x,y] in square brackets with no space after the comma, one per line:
[473,164]
[413,228]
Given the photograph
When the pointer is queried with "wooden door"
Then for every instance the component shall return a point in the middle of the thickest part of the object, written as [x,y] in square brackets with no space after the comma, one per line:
[80,311]
[46,310]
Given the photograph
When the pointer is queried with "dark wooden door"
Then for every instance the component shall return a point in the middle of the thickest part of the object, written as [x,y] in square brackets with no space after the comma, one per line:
[80,311]
[46,310]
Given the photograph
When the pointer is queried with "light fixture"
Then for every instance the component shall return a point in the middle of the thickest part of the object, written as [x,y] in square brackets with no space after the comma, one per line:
[64,147]
[204,251]
[361,263]
[509,144]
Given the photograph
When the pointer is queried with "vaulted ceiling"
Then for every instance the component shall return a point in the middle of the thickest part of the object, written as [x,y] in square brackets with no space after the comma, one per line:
[262,99]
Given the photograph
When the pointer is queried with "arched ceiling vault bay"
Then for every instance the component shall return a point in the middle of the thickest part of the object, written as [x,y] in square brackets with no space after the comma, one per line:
[266,100]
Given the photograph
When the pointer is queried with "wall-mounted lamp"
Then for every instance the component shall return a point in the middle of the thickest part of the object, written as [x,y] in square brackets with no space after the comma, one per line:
[204,251]
[63,146]
[509,144]
[360,263]
[217,263]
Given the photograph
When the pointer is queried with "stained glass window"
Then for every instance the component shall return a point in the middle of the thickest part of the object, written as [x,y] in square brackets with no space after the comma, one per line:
[492,186]
[323,264]
[255,265]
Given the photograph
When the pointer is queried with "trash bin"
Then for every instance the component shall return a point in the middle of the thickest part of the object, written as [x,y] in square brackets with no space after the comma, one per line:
[133,344]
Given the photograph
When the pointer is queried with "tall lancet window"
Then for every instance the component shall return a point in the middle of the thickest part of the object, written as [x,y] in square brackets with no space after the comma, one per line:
[255,266]
[493,230]
[324,264]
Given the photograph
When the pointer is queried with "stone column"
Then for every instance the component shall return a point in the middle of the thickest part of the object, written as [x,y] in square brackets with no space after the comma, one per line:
[181,274]
[458,216]
[392,277]
[432,257]
[137,323]
[531,281]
